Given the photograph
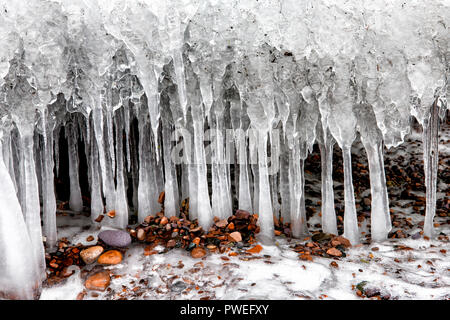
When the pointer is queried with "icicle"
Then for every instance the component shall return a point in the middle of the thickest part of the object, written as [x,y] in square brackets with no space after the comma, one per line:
[245,200]
[380,215]
[431,155]
[284,183]
[126,112]
[221,200]
[32,206]
[171,185]
[97,207]
[19,274]
[121,207]
[351,231]
[110,191]
[148,189]
[296,181]
[49,199]
[265,202]
[204,214]
[75,202]
[326,143]
[56,133]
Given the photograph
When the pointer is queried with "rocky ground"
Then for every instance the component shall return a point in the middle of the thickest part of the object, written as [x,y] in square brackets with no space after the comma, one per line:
[174,259]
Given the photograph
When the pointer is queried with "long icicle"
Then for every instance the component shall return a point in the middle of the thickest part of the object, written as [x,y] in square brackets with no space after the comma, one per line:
[431,155]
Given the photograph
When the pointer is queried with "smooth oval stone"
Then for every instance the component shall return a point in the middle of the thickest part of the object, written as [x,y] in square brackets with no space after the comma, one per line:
[115,238]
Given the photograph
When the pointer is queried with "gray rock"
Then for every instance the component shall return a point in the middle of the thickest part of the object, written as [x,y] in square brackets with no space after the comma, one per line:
[416,236]
[178,286]
[371,292]
[115,238]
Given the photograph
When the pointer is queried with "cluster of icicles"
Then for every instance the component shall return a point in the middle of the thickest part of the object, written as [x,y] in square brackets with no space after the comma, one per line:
[132,79]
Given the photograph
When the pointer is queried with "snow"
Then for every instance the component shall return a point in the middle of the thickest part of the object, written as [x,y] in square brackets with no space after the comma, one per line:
[274,273]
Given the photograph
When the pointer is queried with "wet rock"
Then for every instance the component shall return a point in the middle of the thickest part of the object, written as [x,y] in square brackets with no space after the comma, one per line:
[236,236]
[334,252]
[178,286]
[115,238]
[222,223]
[371,292]
[164,221]
[140,234]
[343,241]
[242,214]
[98,281]
[416,236]
[171,243]
[198,253]
[91,254]
[110,257]
[321,237]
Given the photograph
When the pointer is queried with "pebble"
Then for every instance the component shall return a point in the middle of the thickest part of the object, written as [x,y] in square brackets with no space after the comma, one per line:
[344,241]
[98,281]
[242,214]
[236,236]
[164,221]
[334,252]
[141,234]
[115,238]
[416,236]
[371,292]
[178,286]
[91,254]
[110,257]
[222,223]
[198,253]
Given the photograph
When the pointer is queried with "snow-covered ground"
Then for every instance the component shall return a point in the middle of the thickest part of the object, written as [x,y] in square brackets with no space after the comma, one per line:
[400,269]
[397,268]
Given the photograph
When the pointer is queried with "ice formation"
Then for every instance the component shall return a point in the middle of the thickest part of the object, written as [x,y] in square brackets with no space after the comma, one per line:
[139,84]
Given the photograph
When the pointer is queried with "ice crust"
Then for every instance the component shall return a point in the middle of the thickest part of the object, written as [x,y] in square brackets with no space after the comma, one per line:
[283,73]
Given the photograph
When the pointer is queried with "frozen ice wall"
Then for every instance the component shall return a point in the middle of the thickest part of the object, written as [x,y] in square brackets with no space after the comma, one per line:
[132,81]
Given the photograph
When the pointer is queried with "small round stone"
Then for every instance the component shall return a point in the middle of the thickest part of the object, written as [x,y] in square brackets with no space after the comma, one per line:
[115,238]
[198,253]
[91,254]
[110,257]
[98,281]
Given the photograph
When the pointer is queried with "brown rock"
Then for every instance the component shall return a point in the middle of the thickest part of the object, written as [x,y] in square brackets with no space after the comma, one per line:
[198,253]
[343,241]
[235,236]
[171,243]
[110,257]
[164,221]
[334,252]
[81,295]
[242,214]
[91,254]
[255,249]
[222,223]
[98,281]
[148,219]
[141,234]
[90,238]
